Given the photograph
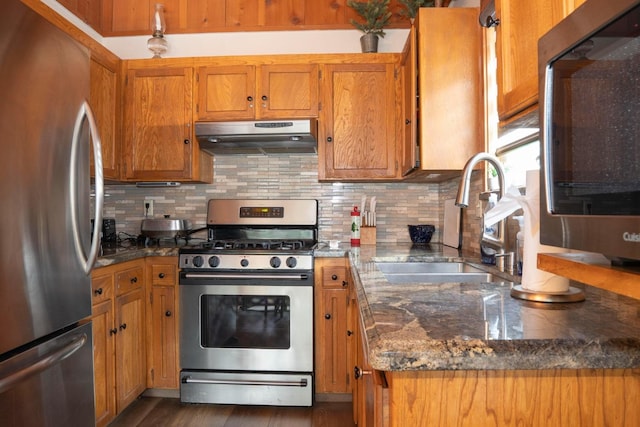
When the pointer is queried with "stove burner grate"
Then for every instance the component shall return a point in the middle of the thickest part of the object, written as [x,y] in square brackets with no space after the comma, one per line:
[255,244]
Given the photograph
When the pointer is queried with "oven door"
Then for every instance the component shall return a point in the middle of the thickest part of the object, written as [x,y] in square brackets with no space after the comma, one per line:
[255,325]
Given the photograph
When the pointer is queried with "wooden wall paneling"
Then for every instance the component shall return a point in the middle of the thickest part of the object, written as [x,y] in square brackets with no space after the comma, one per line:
[206,15]
[285,13]
[241,13]
[322,12]
[129,17]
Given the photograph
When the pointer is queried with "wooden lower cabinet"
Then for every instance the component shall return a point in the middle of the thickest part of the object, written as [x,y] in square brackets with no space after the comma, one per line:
[552,397]
[118,317]
[333,330]
[370,390]
[163,367]
[558,397]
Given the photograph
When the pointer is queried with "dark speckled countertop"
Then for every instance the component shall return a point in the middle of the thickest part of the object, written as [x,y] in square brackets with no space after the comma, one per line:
[458,326]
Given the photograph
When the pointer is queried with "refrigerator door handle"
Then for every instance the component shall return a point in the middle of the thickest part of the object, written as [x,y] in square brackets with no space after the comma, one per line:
[85,112]
[43,363]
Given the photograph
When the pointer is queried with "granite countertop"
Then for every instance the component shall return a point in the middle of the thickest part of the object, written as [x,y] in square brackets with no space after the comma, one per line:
[466,326]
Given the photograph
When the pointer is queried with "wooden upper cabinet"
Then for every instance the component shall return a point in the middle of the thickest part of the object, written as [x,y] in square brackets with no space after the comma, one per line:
[246,92]
[522,23]
[451,87]
[357,134]
[103,99]
[158,144]
[408,123]
[287,91]
[226,92]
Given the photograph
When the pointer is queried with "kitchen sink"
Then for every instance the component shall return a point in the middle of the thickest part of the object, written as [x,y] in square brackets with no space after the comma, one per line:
[433,272]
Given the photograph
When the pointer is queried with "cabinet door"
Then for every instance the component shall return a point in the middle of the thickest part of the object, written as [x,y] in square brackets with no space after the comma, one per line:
[332,324]
[103,99]
[158,143]
[130,348]
[357,138]
[287,91]
[372,404]
[450,87]
[164,367]
[226,92]
[103,362]
[409,91]
[522,23]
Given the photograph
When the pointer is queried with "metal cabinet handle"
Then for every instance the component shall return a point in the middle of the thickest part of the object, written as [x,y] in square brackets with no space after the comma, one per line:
[329,139]
[334,277]
[344,283]
[359,373]
[327,316]
[98,291]
[161,275]
[123,326]
[349,333]
[187,142]
[167,313]
[264,97]
[250,98]
[134,280]
[113,331]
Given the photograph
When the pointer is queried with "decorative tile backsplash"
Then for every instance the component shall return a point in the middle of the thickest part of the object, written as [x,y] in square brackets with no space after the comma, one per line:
[292,176]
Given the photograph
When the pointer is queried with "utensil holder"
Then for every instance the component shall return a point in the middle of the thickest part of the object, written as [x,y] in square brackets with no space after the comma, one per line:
[368,235]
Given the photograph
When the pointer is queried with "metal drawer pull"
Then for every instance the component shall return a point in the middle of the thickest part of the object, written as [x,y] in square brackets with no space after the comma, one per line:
[43,363]
[301,383]
[244,276]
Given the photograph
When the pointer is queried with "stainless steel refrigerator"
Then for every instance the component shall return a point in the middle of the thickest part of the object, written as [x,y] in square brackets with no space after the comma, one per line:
[47,135]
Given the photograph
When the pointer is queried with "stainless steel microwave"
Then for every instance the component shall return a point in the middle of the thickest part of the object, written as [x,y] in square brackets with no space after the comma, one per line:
[589,68]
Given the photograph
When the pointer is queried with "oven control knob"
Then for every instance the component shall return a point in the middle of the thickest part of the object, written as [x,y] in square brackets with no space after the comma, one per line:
[275,262]
[214,261]
[291,262]
[244,262]
[198,261]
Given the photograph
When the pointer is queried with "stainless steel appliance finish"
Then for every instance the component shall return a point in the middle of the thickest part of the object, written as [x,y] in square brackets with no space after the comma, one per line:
[589,68]
[258,137]
[47,249]
[247,301]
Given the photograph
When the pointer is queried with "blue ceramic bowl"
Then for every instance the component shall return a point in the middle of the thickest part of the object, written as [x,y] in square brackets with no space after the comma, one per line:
[421,233]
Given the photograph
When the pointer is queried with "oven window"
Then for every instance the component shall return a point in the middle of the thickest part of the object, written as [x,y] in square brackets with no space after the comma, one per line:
[245,321]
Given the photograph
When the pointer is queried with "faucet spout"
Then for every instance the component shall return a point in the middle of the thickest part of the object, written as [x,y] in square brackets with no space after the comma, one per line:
[462,199]
[491,246]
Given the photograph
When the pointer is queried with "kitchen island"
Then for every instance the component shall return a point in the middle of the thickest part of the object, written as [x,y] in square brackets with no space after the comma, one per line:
[470,354]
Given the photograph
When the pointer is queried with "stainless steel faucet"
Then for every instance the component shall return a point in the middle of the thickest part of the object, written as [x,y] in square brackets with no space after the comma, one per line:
[503,256]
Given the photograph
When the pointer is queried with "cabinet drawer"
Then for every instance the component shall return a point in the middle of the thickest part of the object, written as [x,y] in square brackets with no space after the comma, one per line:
[334,277]
[129,279]
[101,288]
[163,274]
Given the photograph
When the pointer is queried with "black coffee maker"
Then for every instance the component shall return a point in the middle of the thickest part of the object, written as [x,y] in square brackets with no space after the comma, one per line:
[109,238]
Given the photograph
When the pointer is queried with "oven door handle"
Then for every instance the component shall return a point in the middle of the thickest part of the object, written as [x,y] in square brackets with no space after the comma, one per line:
[245,276]
[301,383]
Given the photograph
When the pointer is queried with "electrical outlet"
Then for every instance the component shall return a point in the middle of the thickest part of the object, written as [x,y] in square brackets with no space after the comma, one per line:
[148,207]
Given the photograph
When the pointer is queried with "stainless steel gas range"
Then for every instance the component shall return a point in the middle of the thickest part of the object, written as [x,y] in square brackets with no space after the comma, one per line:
[246,300]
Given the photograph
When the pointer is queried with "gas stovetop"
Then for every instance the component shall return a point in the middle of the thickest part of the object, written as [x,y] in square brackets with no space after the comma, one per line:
[256,235]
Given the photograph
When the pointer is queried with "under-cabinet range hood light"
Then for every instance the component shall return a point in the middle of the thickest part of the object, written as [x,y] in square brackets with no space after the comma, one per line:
[258,137]
[148,184]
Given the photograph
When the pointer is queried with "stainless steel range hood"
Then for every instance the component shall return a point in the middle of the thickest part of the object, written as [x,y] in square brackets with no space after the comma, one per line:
[258,137]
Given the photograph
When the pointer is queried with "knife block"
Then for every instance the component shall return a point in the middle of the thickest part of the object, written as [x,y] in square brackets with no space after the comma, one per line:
[367,235]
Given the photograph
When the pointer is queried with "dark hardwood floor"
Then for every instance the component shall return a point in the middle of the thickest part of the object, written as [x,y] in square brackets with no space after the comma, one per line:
[157,411]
